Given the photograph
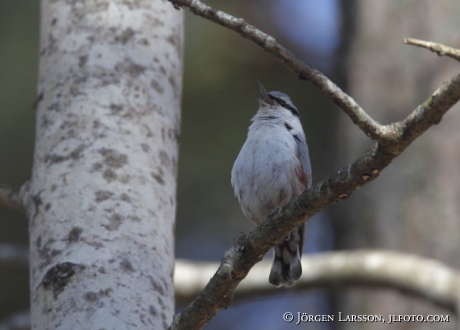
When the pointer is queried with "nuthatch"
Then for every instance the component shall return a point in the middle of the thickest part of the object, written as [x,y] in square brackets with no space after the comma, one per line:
[272,168]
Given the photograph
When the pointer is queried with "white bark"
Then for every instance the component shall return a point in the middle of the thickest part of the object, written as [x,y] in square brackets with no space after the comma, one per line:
[103,188]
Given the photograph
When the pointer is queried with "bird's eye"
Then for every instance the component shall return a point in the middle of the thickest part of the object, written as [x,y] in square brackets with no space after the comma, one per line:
[282,103]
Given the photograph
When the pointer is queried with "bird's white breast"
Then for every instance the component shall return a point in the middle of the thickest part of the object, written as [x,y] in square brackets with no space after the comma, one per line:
[264,174]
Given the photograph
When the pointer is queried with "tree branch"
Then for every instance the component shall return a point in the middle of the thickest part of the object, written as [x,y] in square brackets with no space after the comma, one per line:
[368,125]
[439,49]
[250,249]
[13,199]
[392,140]
[406,273]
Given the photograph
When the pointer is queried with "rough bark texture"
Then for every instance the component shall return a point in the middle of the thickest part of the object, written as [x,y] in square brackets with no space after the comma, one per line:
[102,202]
[414,207]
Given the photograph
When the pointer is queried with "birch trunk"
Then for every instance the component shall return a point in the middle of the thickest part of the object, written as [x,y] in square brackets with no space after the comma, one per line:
[103,186]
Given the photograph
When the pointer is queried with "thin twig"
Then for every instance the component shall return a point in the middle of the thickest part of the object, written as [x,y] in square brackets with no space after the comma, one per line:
[11,199]
[435,47]
[421,277]
[368,125]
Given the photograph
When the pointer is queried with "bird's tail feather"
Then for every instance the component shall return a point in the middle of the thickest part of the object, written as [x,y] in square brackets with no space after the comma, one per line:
[286,267]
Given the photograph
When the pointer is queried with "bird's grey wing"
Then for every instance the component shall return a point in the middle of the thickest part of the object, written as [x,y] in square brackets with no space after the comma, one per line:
[304,157]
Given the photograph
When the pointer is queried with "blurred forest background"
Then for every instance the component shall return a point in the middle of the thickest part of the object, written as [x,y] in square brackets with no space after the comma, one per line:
[413,206]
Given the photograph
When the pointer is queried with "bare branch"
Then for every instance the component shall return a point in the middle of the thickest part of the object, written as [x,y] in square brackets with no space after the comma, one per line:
[439,49]
[368,125]
[190,278]
[13,199]
[250,249]
[392,140]
[406,273]
[13,256]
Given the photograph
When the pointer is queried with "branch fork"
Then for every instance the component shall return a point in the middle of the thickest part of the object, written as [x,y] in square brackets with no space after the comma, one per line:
[390,139]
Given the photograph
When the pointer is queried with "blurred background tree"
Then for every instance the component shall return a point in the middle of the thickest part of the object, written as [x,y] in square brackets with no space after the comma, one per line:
[18,85]
[221,69]
[414,205]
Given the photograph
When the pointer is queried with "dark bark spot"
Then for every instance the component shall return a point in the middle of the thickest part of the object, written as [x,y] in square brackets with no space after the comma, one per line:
[38,100]
[156,286]
[126,266]
[47,206]
[125,197]
[135,70]
[37,201]
[113,158]
[145,147]
[144,42]
[74,155]
[114,222]
[152,310]
[157,86]
[82,60]
[102,195]
[115,108]
[172,81]
[109,175]
[173,39]
[158,178]
[96,166]
[105,293]
[58,276]
[161,303]
[91,296]
[46,253]
[74,234]
[53,159]
[125,36]
[54,107]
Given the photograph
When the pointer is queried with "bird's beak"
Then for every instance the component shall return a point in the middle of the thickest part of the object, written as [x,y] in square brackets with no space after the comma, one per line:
[263,98]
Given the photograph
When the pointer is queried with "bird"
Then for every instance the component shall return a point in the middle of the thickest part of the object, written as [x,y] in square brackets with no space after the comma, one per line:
[272,168]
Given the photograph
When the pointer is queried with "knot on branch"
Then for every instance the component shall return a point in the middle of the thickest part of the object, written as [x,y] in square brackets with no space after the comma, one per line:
[226,265]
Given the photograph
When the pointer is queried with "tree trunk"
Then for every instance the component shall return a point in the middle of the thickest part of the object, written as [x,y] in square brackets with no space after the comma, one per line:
[103,186]
[413,206]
